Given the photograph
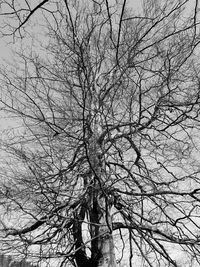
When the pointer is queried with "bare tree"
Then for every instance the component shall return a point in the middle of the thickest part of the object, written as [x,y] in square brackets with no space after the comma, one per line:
[102,164]
[8,261]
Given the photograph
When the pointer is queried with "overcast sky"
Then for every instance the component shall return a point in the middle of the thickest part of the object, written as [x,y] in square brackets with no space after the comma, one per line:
[5,48]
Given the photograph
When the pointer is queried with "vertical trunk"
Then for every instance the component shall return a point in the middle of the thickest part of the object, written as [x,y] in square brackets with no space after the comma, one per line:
[102,245]
[105,241]
[80,253]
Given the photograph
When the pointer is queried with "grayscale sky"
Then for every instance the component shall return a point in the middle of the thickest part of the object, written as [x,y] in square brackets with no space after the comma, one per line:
[5,48]
[6,43]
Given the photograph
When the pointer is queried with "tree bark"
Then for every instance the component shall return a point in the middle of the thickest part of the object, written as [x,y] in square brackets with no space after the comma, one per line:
[102,245]
[105,242]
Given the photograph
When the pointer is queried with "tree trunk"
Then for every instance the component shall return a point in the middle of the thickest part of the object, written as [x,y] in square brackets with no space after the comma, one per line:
[105,241]
[102,245]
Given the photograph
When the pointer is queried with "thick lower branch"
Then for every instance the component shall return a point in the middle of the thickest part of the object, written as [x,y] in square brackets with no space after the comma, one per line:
[40,222]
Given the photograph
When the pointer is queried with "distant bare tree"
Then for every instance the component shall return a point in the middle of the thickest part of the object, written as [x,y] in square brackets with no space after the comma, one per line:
[8,261]
[102,163]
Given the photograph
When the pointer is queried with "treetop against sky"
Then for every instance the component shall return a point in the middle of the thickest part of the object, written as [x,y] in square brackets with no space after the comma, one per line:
[100,162]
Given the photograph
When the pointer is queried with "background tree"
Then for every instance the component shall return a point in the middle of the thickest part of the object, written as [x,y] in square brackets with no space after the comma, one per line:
[104,155]
[10,262]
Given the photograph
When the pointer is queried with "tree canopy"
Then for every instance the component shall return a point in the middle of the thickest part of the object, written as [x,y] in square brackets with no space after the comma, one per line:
[101,165]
